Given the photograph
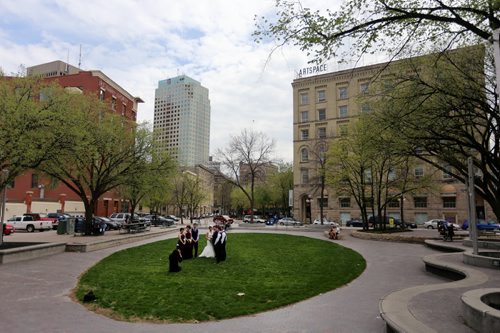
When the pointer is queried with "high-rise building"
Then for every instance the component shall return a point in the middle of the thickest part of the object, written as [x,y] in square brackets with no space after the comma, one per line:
[182,119]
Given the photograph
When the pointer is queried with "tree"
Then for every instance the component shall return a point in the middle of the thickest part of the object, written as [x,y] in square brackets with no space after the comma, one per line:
[194,193]
[446,106]
[102,151]
[391,26]
[280,183]
[153,179]
[180,193]
[29,125]
[445,112]
[366,165]
[244,160]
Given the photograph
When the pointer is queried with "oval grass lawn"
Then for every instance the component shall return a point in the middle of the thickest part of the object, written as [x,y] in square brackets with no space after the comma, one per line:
[261,272]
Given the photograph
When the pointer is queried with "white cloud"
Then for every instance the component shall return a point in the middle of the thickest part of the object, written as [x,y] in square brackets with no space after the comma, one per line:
[138,43]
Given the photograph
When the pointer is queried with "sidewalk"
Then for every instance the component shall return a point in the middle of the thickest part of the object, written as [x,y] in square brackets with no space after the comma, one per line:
[35,294]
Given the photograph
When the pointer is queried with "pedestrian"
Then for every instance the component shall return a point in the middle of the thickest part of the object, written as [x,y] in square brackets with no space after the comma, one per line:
[216,242]
[195,236]
[223,242]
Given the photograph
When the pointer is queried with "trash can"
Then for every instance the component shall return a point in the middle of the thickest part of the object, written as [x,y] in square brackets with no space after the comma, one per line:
[62,227]
[70,225]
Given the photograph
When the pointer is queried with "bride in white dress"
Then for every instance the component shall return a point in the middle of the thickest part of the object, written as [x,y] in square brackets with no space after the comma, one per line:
[208,251]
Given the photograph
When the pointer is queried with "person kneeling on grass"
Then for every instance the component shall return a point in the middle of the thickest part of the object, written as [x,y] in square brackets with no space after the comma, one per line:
[174,259]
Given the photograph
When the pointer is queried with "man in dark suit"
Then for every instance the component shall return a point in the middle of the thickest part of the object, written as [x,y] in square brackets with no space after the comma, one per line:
[216,237]
[195,236]
[223,240]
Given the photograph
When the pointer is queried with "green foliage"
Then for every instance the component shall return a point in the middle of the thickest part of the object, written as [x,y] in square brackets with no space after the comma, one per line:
[135,283]
[395,27]
[28,127]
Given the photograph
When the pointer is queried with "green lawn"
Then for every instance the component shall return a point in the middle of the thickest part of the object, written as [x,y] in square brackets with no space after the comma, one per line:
[271,270]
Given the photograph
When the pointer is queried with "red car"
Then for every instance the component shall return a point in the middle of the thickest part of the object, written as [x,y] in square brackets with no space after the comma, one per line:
[223,219]
[8,229]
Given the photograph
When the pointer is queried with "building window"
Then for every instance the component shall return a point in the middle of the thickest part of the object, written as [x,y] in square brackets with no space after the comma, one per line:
[124,109]
[343,130]
[321,114]
[113,103]
[365,108]
[304,98]
[419,171]
[393,203]
[324,203]
[363,88]
[102,92]
[449,202]
[343,111]
[304,176]
[368,177]
[304,116]
[321,96]
[322,132]
[447,172]
[420,202]
[304,134]
[392,175]
[345,202]
[34,180]
[343,93]
[304,155]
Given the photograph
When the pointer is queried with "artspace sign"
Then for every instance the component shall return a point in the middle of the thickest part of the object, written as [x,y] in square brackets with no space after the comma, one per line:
[313,70]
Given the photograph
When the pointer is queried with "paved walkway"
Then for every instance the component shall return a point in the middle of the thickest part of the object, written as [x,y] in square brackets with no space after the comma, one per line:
[34,295]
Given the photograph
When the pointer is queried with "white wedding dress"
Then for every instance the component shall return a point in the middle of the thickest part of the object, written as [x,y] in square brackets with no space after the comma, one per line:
[208,251]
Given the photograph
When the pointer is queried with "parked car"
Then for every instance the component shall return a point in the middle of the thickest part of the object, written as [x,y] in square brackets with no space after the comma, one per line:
[29,224]
[44,217]
[325,222]
[8,229]
[172,217]
[59,216]
[161,220]
[256,219]
[120,217]
[354,223]
[434,223]
[223,219]
[487,225]
[289,221]
[412,225]
[110,224]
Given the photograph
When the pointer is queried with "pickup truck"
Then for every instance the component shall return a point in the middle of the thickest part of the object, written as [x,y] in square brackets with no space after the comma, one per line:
[29,224]
[44,217]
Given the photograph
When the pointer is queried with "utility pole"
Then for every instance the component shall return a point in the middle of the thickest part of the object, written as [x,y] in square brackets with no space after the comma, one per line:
[472,206]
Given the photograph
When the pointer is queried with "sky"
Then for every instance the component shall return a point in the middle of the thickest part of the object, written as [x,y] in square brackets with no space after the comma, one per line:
[138,43]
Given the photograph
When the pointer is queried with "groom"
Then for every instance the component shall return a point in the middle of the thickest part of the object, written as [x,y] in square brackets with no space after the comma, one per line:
[216,239]
[195,236]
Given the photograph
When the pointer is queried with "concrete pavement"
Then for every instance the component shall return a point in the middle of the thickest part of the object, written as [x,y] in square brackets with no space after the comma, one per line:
[35,295]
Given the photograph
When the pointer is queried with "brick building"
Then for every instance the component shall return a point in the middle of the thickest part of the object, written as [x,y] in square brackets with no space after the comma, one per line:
[33,192]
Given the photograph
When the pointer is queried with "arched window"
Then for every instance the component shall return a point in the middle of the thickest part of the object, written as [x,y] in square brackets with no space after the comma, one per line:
[304,155]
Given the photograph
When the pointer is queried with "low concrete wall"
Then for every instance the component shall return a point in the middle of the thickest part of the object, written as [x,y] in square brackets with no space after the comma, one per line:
[483,259]
[395,237]
[492,245]
[30,252]
[124,239]
[479,315]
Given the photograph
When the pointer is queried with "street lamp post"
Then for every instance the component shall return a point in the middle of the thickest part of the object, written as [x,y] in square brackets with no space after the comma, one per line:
[5,174]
